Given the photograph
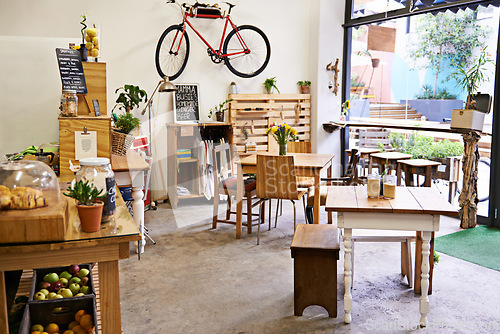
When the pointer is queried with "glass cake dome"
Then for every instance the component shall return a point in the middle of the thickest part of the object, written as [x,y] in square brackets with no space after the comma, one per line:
[27,184]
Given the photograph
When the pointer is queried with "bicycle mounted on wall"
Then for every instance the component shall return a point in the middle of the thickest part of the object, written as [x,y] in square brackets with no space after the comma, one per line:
[245,50]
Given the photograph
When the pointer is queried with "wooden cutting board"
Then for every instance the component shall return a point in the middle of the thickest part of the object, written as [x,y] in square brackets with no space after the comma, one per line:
[35,225]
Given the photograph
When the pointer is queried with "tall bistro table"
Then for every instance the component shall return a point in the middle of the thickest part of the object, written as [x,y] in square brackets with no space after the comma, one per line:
[105,247]
[306,164]
[413,209]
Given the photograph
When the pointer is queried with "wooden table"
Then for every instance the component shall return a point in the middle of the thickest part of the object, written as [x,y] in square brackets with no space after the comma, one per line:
[106,247]
[413,209]
[364,153]
[417,166]
[306,164]
[129,172]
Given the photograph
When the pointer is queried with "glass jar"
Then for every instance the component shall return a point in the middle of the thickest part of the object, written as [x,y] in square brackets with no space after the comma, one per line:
[389,186]
[98,171]
[373,187]
[69,103]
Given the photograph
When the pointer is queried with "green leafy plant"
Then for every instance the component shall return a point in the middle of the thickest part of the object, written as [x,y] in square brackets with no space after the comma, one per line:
[469,79]
[436,258]
[356,80]
[303,83]
[425,147]
[428,94]
[222,107]
[446,40]
[130,97]
[269,84]
[82,22]
[125,123]
[85,193]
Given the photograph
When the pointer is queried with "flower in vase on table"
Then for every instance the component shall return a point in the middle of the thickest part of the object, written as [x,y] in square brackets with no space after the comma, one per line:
[283,133]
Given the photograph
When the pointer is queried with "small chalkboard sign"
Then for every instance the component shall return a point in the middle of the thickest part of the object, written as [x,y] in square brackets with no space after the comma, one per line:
[71,70]
[97,109]
[187,103]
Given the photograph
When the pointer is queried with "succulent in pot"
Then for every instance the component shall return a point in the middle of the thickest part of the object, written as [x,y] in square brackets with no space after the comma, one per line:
[89,204]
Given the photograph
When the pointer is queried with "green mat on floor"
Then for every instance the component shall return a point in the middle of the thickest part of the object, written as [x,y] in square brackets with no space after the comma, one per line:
[479,245]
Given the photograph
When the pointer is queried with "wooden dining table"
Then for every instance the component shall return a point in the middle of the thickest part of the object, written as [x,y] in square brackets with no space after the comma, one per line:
[413,209]
[306,164]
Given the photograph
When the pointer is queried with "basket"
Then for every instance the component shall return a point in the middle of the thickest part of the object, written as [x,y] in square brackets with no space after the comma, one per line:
[120,142]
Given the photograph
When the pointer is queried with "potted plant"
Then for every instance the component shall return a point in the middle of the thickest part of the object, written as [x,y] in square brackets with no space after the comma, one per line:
[269,84]
[129,98]
[345,110]
[88,204]
[219,110]
[470,79]
[304,86]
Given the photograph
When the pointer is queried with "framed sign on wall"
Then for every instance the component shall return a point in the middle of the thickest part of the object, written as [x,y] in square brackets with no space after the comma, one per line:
[187,103]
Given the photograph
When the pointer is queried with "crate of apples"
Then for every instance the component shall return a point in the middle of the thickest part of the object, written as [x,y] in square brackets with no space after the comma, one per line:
[61,282]
[61,316]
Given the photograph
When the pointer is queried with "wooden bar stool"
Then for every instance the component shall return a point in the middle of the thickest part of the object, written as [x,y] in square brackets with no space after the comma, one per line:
[315,250]
[365,154]
[419,167]
[389,159]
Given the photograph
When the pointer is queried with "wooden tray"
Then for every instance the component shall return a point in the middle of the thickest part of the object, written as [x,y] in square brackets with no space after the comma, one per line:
[35,225]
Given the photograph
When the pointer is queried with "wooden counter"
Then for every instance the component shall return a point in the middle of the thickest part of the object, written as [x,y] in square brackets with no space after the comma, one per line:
[106,247]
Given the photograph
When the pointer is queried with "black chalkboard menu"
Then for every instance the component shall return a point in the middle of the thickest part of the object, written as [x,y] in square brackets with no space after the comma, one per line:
[71,69]
[187,103]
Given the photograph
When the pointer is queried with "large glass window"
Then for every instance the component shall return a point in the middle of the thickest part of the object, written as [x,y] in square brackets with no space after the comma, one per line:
[406,68]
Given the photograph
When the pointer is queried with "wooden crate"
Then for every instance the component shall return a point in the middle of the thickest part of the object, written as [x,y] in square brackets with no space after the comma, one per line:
[35,225]
[67,128]
[371,137]
[255,113]
[95,78]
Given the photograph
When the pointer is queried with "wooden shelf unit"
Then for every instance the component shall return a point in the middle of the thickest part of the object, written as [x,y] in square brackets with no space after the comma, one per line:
[255,113]
[186,172]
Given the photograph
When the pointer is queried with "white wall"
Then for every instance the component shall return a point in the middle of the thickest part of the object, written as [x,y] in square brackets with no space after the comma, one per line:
[304,37]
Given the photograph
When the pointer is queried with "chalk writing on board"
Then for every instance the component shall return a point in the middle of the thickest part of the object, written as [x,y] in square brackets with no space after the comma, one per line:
[187,103]
[71,70]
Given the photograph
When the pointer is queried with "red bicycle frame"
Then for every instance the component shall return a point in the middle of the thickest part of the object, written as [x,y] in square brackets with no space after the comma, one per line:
[216,52]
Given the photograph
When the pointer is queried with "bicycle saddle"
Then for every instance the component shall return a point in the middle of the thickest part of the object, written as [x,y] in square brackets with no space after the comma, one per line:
[229,4]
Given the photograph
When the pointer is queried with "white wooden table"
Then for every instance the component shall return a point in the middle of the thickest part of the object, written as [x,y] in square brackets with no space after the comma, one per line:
[413,209]
[129,172]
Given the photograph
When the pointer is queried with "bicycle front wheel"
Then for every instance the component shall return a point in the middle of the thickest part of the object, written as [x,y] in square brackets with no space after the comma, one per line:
[248,51]
[172,52]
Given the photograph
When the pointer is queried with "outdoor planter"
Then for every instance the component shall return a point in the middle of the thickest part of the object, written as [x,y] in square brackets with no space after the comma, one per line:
[434,110]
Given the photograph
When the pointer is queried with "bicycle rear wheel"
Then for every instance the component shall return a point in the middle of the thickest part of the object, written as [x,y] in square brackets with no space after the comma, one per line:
[172,52]
[247,65]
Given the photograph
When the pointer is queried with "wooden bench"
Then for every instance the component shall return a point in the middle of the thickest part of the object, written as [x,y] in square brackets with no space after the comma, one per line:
[315,250]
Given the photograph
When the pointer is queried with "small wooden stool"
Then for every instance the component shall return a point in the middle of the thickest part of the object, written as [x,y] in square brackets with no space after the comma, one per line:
[315,250]
[390,159]
[419,167]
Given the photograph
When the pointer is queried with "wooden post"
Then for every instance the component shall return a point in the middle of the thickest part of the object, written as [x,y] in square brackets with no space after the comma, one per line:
[468,198]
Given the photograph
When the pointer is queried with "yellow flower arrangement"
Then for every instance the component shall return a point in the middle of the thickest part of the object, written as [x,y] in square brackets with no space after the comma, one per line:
[282,134]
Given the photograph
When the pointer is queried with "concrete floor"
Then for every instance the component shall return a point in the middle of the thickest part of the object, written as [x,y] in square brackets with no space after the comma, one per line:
[200,280]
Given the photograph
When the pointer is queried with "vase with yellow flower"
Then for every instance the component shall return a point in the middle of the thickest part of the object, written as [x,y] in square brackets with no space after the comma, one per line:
[283,133]
[345,110]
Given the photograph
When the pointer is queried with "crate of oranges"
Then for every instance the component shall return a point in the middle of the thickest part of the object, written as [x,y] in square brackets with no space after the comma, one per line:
[61,316]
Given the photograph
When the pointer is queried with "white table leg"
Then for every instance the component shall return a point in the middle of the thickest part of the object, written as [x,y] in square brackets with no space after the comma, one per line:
[347,275]
[138,204]
[424,300]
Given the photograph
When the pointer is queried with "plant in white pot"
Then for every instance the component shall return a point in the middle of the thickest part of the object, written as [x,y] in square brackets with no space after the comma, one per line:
[470,78]
[89,204]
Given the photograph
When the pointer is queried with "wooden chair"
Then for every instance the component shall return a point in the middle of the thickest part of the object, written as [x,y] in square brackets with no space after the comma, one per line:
[225,182]
[276,180]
